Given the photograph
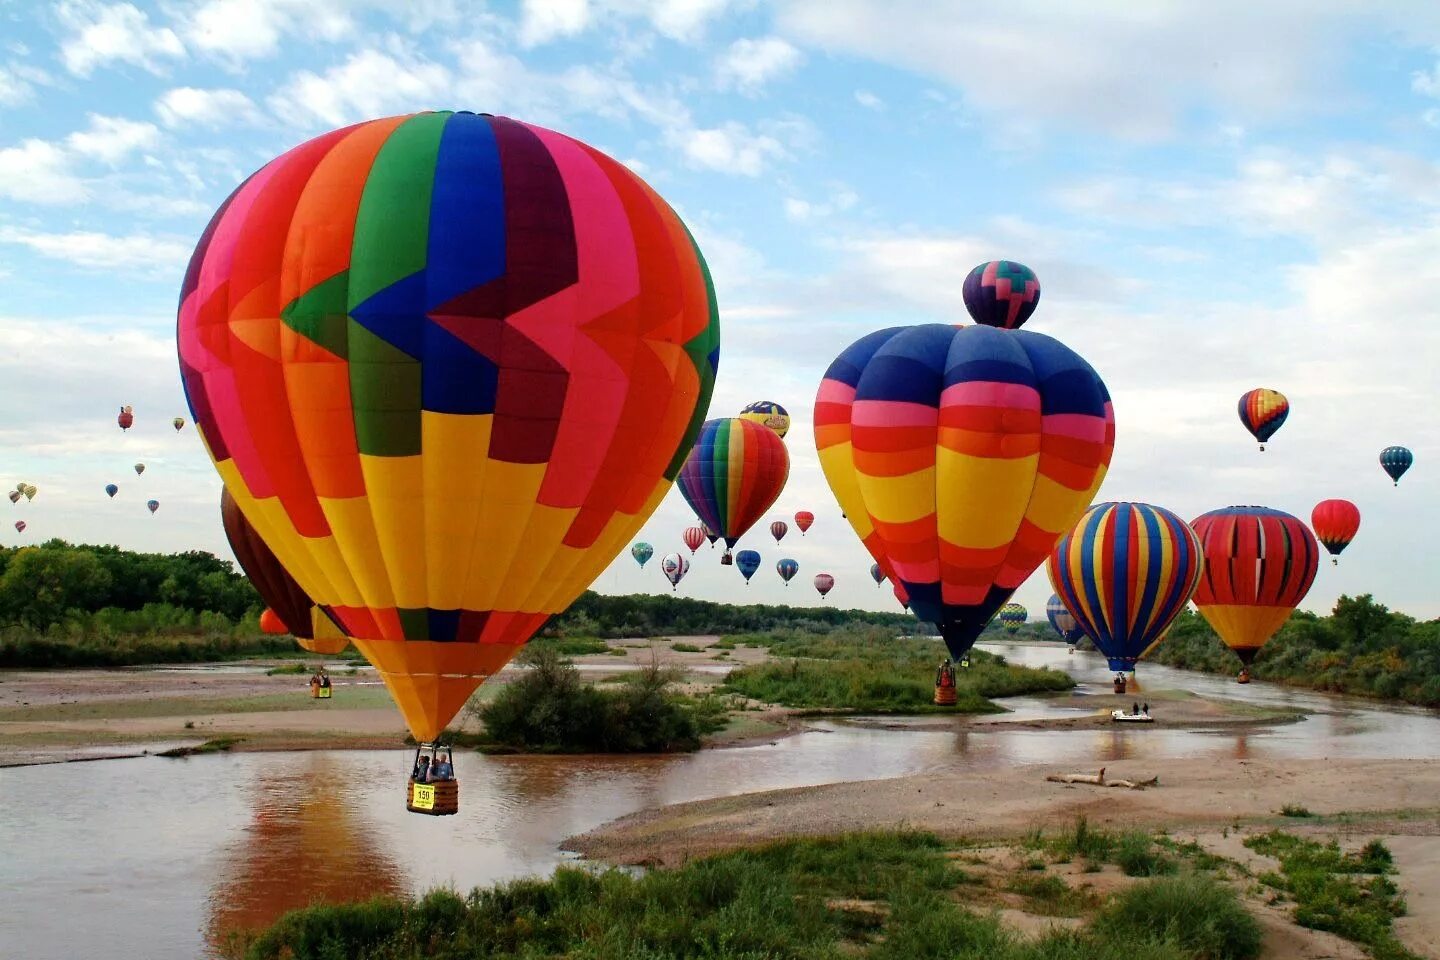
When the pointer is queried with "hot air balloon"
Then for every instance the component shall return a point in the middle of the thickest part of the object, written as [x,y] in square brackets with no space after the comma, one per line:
[1125,572]
[710,534]
[1395,461]
[111,489]
[824,583]
[1063,621]
[778,529]
[270,623]
[126,418]
[1263,412]
[139,469]
[285,600]
[30,491]
[642,552]
[178,423]
[20,526]
[1335,523]
[1001,293]
[787,569]
[768,413]
[1259,564]
[877,574]
[152,505]
[960,455]
[732,476]
[15,496]
[693,537]
[747,562]
[1013,617]
[803,520]
[674,566]
[459,363]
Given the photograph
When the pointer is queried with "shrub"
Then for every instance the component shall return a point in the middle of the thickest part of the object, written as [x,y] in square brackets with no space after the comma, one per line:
[1194,912]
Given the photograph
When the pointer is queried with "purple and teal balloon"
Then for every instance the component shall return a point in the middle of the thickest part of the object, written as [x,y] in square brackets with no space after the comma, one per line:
[1001,293]
[152,505]
[747,562]
[787,569]
[642,552]
[877,574]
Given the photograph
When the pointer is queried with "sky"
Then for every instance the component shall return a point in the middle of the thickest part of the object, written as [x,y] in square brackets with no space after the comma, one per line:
[1215,197]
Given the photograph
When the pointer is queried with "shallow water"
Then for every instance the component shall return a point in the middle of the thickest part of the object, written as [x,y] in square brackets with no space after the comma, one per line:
[145,858]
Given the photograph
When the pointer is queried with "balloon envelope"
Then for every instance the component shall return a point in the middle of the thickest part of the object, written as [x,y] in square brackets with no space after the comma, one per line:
[877,574]
[804,519]
[768,413]
[1259,564]
[448,364]
[787,568]
[1013,617]
[152,505]
[960,455]
[642,552]
[139,469]
[824,583]
[270,623]
[178,423]
[1335,523]
[747,562]
[1062,620]
[674,566]
[693,537]
[732,476]
[1263,412]
[1001,293]
[778,529]
[1125,572]
[1395,461]
[126,418]
[111,489]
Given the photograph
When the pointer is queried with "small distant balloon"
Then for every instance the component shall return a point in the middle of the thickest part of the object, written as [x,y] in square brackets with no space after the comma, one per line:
[674,566]
[747,562]
[1263,411]
[111,489]
[787,568]
[1335,523]
[152,505]
[178,423]
[778,529]
[15,496]
[824,583]
[770,414]
[1001,293]
[1013,617]
[30,491]
[803,520]
[877,574]
[642,552]
[693,537]
[1395,461]
[139,469]
[20,526]
[126,418]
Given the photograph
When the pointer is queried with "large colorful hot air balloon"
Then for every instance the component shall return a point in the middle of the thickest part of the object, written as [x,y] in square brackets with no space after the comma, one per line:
[877,574]
[778,529]
[747,562]
[152,505]
[1013,617]
[178,423]
[285,600]
[674,566]
[1263,412]
[1062,620]
[1259,564]
[824,583]
[1395,461]
[732,476]
[1125,572]
[693,537]
[642,552]
[447,364]
[1001,293]
[768,413]
[787,568]
[960,455]
[803,520]
[126,418]
[1335,523]
[111,489]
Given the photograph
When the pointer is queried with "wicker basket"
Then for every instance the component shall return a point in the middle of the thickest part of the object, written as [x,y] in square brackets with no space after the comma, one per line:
[438,799]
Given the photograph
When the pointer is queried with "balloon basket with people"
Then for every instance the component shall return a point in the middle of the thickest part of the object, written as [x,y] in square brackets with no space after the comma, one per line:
[432,788]
[945,695]
[320,686]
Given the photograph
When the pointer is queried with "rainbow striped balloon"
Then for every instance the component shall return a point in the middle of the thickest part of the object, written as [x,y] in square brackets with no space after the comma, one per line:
[732,476]
[1062,620]
[1125,572]
[1263,412]
[960,455]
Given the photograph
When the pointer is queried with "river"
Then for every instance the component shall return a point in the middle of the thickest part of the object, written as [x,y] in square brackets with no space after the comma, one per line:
[153,858]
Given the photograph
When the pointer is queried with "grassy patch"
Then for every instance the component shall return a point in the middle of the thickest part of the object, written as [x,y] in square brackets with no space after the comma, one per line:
[1193,912]
[683,647]
[1048,895]
[1138,856]
[218,745]
[1294,810]
[1349,894]
[353,697]
[296,669]
[572,646]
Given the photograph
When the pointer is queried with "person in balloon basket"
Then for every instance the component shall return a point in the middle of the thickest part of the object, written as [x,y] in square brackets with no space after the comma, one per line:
[324,679]
[315,685]
[443,768]
[945,675]
[421,773]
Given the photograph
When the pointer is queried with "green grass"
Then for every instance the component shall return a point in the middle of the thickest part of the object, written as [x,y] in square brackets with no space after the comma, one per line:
[685,647]
[1138,856]
[353,697]
[573,646]
[1294,810]
[1049,895]
[297,669]
[880,896]
[218,745]
[1349,894]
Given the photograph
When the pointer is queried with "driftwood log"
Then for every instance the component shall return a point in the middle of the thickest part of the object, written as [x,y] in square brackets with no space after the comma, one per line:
[1098,780]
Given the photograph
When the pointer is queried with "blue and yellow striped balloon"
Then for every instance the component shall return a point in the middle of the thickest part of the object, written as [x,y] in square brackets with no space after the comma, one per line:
[1125,572]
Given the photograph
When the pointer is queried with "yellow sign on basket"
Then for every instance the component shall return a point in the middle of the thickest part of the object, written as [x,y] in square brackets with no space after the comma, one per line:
[424,798]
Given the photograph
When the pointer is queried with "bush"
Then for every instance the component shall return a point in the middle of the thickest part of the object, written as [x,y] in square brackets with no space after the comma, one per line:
[1194,912]
[1137,855]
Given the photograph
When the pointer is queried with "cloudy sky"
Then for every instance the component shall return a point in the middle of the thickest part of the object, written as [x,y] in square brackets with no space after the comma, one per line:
[1215,196]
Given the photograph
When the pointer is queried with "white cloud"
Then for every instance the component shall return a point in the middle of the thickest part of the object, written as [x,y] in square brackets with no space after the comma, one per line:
[544,20]
[209,108]
[1134,70]
[841,199]
[38,171]
[869,100]
[729,148]
[103,251]
[111,139]
[750,63]
[18,82]
[239,30]
[1426,82]
[101,34]
[368,84]
[684,19]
